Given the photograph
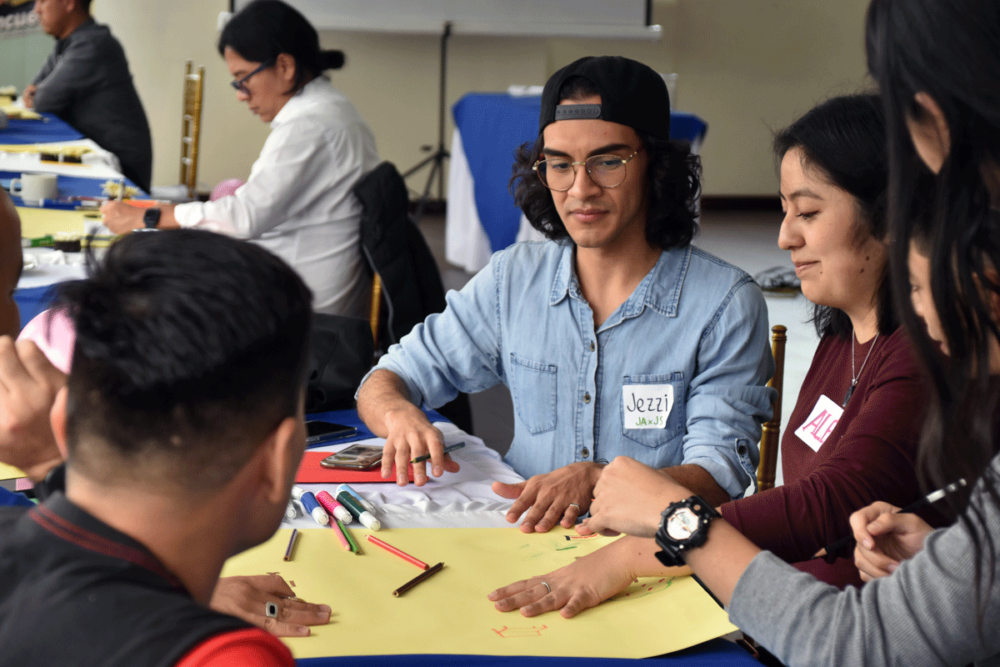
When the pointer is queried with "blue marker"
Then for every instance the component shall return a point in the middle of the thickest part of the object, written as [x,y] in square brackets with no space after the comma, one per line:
[311,505]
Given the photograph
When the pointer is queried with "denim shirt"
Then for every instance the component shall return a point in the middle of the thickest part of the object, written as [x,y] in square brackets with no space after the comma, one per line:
[695,326]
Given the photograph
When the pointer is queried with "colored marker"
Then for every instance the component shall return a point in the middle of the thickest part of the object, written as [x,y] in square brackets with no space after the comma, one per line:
[313,509]
[291,544]
[334,508]
[357,496]
[366,518]
[350,538]
[399,552]
[338,528]
[423,576]
[448,449]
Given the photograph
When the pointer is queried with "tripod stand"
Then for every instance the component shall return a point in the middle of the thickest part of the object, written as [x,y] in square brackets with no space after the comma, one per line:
[436,160]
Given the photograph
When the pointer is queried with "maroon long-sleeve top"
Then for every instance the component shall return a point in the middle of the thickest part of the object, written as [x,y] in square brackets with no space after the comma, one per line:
[869,455]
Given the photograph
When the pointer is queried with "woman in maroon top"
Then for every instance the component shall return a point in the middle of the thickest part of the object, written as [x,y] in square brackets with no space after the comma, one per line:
[852,437]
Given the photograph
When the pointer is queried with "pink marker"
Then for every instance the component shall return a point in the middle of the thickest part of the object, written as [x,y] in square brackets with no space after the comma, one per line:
[333,507]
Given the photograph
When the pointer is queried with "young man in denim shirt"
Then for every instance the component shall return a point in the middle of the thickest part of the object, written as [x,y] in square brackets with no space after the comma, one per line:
[616,337]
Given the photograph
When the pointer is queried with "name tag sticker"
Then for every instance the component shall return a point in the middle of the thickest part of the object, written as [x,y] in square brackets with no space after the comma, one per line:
[821,421]
[647,405]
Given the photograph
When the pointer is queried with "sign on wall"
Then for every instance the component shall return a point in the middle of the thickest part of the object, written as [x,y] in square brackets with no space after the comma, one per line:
[17,17]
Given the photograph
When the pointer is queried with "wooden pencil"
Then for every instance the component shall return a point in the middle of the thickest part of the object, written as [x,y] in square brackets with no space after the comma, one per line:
[423,576]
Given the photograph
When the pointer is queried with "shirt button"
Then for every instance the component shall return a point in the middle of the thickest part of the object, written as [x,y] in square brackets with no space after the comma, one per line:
[586,397]
[585,453]
[592,346]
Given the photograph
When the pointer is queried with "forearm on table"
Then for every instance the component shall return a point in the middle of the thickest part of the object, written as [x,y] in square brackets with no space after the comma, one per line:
[380,398]
[696,478]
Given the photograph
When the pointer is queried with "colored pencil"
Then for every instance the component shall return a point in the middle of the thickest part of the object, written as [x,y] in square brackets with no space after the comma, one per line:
[338,528]
[447,450]
[399,552]
[350,538]
[423,576]
[291,544]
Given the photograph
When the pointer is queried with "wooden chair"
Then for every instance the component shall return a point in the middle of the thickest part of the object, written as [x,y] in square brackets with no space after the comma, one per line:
[375,313]
[194,84]
[771,433]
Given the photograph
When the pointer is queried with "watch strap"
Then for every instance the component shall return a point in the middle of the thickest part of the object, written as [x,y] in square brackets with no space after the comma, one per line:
[151,217]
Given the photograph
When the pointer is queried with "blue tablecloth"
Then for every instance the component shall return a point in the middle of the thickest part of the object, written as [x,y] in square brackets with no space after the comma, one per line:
[492,126]
[69,186]
[32,301]
[50,129]
[713,653]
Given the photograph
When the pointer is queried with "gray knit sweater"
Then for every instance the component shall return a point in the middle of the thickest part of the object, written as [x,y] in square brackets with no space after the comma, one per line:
[924,614]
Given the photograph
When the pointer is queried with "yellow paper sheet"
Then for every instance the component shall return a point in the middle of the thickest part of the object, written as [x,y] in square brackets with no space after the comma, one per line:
[36,222]
[449,613]
[10,472]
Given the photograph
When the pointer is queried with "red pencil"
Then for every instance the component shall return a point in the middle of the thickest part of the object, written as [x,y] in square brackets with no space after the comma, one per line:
[402,554]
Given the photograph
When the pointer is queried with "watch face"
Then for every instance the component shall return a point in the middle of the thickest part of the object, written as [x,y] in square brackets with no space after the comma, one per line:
[682,524]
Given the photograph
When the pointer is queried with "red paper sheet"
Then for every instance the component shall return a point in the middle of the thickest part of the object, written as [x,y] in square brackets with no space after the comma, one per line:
[311,472]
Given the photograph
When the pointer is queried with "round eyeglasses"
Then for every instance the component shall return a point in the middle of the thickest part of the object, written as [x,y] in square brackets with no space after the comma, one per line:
[607,171]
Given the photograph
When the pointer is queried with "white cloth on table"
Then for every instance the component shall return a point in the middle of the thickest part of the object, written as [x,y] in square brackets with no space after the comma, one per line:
[466,244]
[455,500]
[96,163]
[298,203]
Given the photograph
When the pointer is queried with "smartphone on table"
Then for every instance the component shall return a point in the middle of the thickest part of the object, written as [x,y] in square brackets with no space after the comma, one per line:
[355,457]
[318,433]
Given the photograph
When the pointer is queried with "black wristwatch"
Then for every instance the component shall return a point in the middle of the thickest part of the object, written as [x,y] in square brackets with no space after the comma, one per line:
[151,218]
[684,526]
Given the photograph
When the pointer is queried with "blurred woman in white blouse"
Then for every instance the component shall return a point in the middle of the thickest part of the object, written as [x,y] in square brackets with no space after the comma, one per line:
[297,201]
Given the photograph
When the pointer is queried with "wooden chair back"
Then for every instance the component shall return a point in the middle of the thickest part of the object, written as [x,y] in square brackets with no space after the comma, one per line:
[194,85]
[375,314]
[771,434]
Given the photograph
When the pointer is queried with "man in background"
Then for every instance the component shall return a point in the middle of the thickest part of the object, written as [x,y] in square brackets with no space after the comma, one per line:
[86,82]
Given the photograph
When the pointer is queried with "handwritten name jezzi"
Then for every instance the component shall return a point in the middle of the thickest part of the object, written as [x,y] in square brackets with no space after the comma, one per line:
[647,405]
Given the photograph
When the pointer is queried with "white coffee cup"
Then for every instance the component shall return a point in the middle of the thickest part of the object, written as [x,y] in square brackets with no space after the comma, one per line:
[34,188]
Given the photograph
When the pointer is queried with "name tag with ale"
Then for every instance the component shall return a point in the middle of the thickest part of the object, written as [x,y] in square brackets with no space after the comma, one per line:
[820,424]
[647,405]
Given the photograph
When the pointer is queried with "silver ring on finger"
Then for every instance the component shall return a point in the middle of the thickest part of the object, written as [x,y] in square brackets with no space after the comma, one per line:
[547,587]
[576,506]
[271,610]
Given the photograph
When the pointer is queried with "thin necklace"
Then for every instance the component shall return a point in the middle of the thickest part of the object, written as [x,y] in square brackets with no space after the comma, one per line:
[854,378]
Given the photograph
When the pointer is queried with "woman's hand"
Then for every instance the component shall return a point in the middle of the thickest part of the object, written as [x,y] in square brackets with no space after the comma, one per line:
[885,538]
[583,584]
[630,497]
[247,597]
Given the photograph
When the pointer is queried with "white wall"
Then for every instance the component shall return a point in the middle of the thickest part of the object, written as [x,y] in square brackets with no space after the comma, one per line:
[746,66]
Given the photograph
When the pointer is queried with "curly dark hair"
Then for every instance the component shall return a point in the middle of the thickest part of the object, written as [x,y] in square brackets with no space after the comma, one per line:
[674,185]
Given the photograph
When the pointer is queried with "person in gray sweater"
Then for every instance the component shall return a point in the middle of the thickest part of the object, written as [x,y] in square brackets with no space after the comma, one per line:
[86,82]
[933,597]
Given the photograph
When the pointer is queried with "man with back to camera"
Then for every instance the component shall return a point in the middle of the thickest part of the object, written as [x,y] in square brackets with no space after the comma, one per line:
[182,422]
[616,337]
[86,82]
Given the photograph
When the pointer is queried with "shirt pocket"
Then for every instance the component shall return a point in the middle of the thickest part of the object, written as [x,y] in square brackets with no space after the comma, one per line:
[676,426]
[533,390]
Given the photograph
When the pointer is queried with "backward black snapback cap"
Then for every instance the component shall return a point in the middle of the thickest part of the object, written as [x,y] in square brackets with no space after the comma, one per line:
[632,94]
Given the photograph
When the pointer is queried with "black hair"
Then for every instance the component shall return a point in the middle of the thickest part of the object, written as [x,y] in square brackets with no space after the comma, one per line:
[85,5]
[948,50]
[190,348]
[844,139]
[264,29]
[673,177]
